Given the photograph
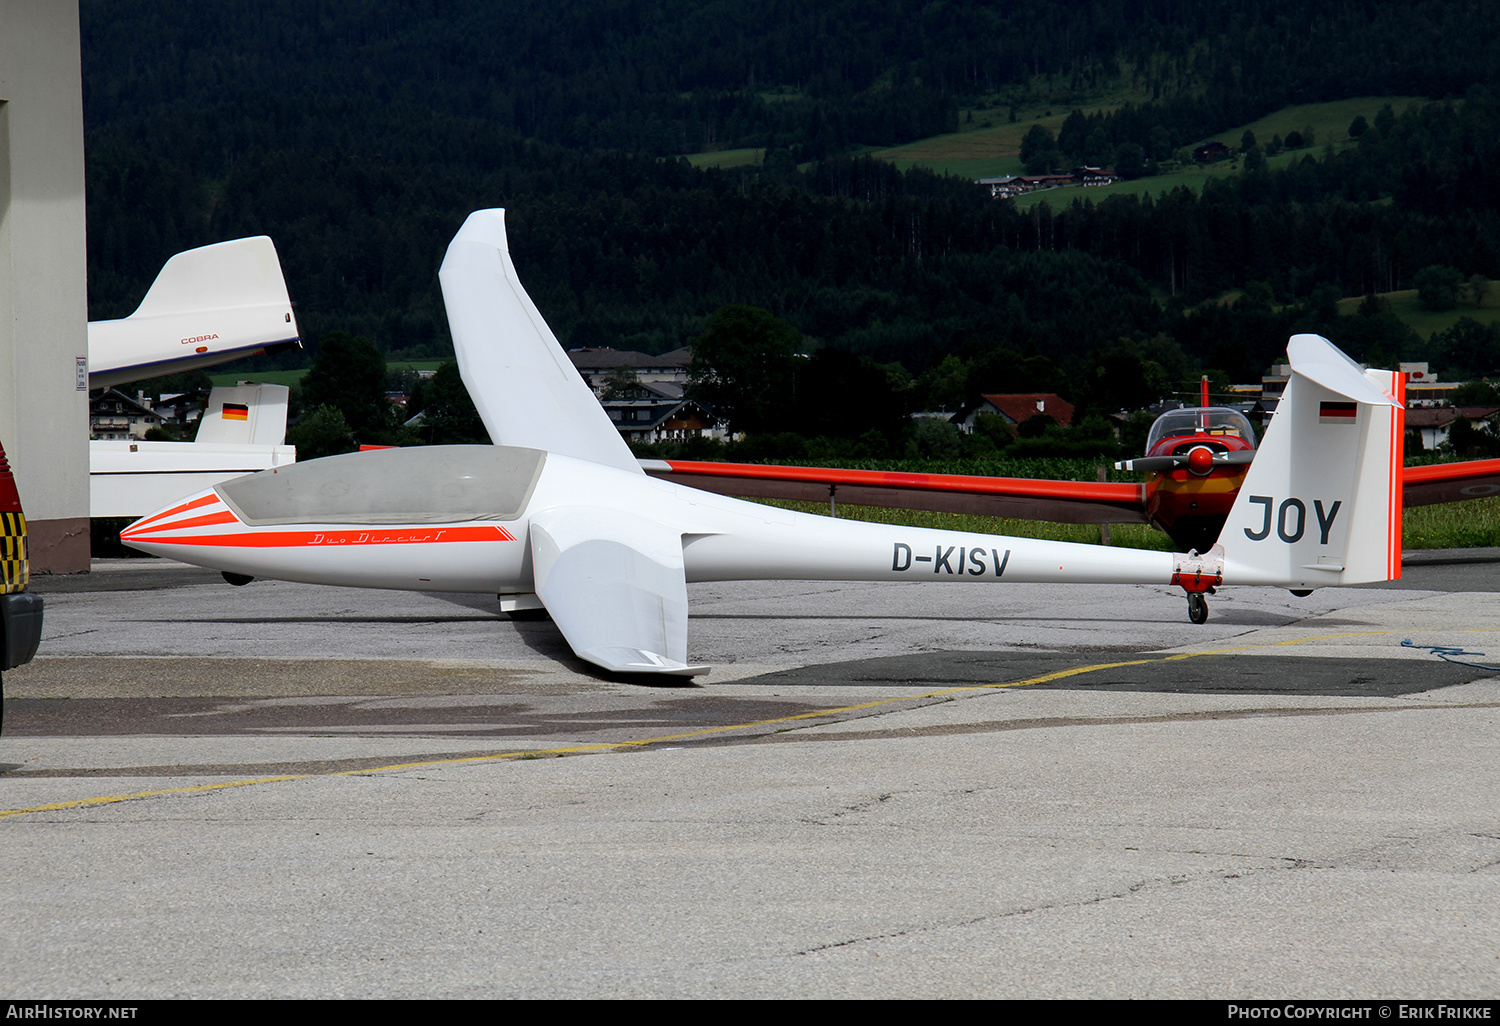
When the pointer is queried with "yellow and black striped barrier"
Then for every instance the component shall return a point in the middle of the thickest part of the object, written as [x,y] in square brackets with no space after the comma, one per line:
[14,573]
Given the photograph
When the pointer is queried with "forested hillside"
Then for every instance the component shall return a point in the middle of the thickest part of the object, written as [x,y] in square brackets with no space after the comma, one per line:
[359,134]
[676,76]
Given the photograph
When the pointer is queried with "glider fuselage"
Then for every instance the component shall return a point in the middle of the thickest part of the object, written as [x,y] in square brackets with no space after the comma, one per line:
[358,521]
[559,514]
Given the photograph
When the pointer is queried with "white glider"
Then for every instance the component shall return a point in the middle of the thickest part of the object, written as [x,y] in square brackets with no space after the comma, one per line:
[557,515]
[207,306]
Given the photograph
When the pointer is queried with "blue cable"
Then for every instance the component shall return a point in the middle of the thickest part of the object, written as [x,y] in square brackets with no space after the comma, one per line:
[1446,654]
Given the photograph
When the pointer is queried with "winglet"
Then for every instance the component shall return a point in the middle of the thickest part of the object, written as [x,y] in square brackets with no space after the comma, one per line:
[207,306]
[616,588]
[525,388]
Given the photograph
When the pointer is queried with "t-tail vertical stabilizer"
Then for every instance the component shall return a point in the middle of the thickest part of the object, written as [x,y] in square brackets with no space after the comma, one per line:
[1321,505]
[207,306]
[524,386]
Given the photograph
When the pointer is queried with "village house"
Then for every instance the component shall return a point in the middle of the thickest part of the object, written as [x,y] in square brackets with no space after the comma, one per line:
[660,419]
[115,416]
[1005,187]
[1018,407]
[596,365]
[1210,152]
[1011,186]
[646,404]
[1435,423]
[1092,177]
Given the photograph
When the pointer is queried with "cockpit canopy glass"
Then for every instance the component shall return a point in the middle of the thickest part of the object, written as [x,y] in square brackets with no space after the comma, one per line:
[426,484]
[1213,421]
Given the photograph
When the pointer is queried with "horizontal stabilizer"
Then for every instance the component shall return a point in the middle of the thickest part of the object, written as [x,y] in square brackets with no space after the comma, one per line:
[1315,358]
[615,586]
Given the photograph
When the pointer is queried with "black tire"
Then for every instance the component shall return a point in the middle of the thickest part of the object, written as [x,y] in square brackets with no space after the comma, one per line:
[1197,607]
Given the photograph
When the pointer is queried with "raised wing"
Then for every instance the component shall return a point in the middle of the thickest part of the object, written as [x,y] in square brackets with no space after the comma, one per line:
[207,306]
[522,383]
[1065,502]
[615,586]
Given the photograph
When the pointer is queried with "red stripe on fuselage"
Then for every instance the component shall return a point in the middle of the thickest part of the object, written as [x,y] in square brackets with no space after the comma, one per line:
[267,539]
[221,517]
[195,504]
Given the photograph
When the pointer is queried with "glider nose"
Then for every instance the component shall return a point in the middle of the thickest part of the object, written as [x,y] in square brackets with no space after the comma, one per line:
[175,523]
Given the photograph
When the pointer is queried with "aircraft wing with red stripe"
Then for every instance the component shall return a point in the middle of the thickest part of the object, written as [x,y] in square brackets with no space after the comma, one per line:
[1450,482]
[1064,502]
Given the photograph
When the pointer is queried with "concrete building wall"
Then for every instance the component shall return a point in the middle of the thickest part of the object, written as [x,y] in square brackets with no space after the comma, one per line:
[43,284]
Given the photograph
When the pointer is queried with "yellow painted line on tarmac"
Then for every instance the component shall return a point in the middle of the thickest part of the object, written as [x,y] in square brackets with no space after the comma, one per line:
[1045,678]
[707,731]
[111,799]
[1318,637]
[1274,644]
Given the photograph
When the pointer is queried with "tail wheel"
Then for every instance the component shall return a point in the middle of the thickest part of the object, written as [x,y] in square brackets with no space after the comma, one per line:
[1197,607]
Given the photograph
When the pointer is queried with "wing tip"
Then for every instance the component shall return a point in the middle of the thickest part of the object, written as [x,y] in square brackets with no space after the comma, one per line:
[637,660]
[486,226]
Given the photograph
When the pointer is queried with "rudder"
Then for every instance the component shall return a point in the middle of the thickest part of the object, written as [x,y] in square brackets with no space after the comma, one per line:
[1321,504]
[207,306]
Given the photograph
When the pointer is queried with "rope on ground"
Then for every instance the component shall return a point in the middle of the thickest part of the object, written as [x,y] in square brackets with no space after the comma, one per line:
[1447,654]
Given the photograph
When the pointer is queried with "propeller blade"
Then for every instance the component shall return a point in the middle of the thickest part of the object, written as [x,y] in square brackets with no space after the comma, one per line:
[1161,464]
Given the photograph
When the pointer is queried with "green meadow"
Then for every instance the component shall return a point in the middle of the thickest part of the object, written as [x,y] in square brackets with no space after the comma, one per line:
[1424,322]
[726,158]
[281,377]
[292,377]
[1329,121]
[990,146]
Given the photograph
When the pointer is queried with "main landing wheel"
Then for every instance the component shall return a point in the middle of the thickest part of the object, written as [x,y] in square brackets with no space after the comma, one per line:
[1197,607]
